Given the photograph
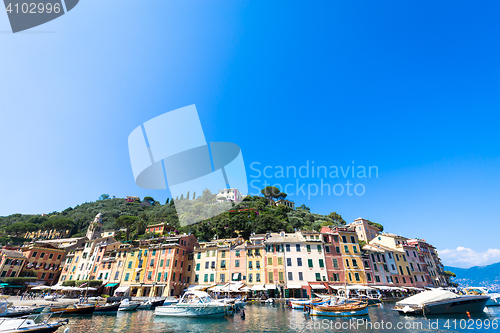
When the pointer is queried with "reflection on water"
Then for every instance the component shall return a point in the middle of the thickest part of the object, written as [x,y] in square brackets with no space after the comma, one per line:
[278,318]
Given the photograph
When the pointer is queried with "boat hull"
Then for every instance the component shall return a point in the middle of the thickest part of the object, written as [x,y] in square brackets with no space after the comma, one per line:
[130,307]
[82,310]
[104,309]
[453,306]
[326,312]
[191,311]
[493,302]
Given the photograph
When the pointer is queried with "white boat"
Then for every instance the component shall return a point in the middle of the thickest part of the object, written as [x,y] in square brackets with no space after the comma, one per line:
[127,305]
[438,301]
[494,297]
[194,304]
[30,324]
[302,304]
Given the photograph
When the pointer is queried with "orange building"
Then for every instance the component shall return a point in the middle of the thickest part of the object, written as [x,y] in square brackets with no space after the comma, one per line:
[159,228]
[43,261]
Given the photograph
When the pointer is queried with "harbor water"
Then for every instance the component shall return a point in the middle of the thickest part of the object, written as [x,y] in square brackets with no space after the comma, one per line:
[280,318]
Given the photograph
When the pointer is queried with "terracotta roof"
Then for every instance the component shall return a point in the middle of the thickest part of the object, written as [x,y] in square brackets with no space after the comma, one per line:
[13,254]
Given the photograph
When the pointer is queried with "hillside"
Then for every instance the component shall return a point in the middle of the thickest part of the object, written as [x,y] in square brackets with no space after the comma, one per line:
[487,276]
[264,218]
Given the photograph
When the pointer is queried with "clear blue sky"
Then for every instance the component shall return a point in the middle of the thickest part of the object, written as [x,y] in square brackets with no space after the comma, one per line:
[409,87]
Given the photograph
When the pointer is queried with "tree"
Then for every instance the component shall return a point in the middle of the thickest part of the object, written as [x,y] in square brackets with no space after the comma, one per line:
[194,195]
[150,200]
[187,196]
[126,221]
[104,197]
[168,199]
[380,226]
[337,218]
[304,207]
[450,273]
[272,194]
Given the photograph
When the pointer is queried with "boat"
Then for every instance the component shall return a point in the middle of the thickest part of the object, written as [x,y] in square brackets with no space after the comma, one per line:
[367,299]
[157,302]
[127,305]
[9,311]
[194,304]
[301,304]
[75,309]
[440,301]
[169,302]
[30,324]
[108,307]
[240,303]
[339,310]
[494,297]
[146,305]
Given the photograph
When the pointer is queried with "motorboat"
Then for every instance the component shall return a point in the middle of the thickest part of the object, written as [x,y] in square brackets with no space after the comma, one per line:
[440,301]
[9,311]
[127,305]
[146,305]
[194,304]
[330,309]
[30,324]
[169,302]
[75,309]
[106,308]
[367,299]
[494,297]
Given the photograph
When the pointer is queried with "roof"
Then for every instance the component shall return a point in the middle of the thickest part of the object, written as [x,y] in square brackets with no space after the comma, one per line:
[13,254]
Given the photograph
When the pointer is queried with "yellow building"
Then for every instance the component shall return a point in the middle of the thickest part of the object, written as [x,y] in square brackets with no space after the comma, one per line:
[11,263]
[352,256]
[205,264]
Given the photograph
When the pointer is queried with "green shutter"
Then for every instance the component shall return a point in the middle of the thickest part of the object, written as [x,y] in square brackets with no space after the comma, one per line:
[308,247]
[310,262]
[321,263]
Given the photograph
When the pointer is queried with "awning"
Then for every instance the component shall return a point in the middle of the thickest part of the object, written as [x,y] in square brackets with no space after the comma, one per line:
[110,285]
[123,289]
[258,287]
[294,286]
[317,286]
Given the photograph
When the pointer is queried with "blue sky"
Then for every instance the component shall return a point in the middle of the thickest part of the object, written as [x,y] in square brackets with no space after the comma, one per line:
[411,88]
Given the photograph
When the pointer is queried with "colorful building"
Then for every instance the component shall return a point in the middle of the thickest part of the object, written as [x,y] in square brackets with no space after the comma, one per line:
[11,263]
[43,261]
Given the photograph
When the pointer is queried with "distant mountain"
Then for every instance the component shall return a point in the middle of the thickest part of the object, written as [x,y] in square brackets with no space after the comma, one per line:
[487,276]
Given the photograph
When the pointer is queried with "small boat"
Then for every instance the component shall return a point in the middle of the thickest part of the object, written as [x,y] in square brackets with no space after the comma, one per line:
[240,304]
[367,299]
[169,302]
[127,305]
[30,324]
[76,309]
[440,301]
[108,307]
[340,310]
[301,304]
[158,302]
[146,305]
[494,297]
[194,304]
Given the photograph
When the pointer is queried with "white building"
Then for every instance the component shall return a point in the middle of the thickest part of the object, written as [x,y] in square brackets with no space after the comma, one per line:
[229,194]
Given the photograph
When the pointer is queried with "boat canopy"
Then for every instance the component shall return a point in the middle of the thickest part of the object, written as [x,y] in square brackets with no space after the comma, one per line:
[428,297]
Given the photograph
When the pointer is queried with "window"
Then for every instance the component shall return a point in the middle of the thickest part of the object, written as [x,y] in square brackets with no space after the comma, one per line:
[175,264]
[350,277]
[250,278]
[327,249]
[222,264]
[211,277]
[206,264]
[150,275]
[161,263]
[34,254]
[42,277]
[297,247]
[287,247]
[42,254]
[411,266]
[318,277]
[404,257]
[250,264]
[408,270]
[173,277]
[289,261]
[257,277]
[127,276]
[336,277]
[280,261]
[353,240]
[354,263]
[223,254]
[198,266]
[236,263]
[310,263]
[51,255]
[321,263]
[344,239]
[389,255]
[152,263]
[280,276]
[347,262]
[404,280]
[199,255]
[165,276]
[377,278]
[319,248]
[196,278]
[308,248]
[346,249]
[269,276]
[355,249]
[206,278]
[116,275]
[222,277]
[335,263]
[59,257]
[257,264]
[299,261]
[301,277]
[401,270]
[290,276]
[158,277]
[270,261]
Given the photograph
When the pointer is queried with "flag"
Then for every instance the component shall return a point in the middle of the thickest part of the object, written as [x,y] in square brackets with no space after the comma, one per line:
[83,284]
